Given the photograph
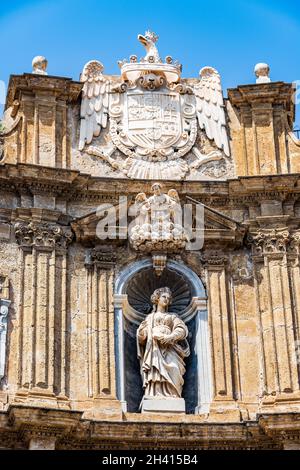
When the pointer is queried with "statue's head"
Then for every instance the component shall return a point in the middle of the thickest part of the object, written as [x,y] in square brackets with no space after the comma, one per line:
[156,188]
[172,193]
[162,296]
[140,197]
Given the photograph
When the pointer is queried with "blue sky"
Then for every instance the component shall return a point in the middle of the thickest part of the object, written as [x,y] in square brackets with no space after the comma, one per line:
[231,35]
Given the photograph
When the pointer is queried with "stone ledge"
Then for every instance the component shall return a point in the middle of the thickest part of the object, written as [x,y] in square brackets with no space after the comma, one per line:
[20,424]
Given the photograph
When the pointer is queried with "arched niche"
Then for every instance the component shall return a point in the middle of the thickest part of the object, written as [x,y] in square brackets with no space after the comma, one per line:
[133,289]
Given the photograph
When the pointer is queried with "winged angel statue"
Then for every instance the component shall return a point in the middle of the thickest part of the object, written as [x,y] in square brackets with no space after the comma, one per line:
[158,126]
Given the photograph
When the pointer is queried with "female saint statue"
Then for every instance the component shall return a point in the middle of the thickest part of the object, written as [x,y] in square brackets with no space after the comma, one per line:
[162,348]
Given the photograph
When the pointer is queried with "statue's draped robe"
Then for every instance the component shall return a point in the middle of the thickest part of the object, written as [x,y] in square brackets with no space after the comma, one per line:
[162,367]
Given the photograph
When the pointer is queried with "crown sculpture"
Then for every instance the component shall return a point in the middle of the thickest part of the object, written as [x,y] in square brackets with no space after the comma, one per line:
[149,123]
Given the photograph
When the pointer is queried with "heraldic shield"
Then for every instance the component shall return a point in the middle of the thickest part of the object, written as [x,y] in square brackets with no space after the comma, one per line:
[153,126]
[152,120]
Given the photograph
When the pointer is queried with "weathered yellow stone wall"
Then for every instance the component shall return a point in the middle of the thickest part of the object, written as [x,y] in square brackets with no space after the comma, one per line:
[61,344]
[261,120]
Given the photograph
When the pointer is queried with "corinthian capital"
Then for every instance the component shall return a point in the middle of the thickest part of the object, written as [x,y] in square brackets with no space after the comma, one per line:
[214,258]
[100,257]
[269,241]
[45,235]
[295,242]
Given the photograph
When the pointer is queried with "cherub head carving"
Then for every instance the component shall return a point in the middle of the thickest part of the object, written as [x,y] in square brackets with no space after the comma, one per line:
[173,194]
[140,197]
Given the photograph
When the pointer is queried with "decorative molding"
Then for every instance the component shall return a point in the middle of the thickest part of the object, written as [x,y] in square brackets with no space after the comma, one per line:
[159,263]
[44,235]
[274,241]
[101,258]
[20,424]
[213,258]
[64,88]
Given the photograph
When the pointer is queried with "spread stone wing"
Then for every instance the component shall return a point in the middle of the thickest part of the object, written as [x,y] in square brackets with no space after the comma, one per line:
[210,107]
[94,104]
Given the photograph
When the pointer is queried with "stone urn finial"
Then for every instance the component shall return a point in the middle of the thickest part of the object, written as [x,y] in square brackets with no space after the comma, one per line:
[39,65]
[262,71]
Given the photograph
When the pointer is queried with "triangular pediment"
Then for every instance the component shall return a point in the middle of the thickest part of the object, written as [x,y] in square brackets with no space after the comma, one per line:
[219,229]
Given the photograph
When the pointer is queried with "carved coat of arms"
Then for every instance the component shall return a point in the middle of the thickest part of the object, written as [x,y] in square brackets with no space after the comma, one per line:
[153,116]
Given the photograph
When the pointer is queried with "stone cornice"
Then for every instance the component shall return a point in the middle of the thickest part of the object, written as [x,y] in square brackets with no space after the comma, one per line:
[281,426]
[273,92]
[64,88]
[71,184]
[71,431]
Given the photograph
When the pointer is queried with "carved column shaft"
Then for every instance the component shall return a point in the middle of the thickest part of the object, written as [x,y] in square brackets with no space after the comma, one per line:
[220,329]
[270,248]
[100,326]
[43,329]
[294,278]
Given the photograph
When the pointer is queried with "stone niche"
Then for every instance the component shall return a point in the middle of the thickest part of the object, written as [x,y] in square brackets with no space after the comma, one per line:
[134,287]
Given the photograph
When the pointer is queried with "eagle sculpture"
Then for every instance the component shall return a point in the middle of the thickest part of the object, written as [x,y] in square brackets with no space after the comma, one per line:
[152,114]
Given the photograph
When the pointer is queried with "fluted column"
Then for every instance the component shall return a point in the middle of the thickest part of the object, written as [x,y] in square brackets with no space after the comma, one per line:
[42,324]
[220,333]
[100,325]
[276,264]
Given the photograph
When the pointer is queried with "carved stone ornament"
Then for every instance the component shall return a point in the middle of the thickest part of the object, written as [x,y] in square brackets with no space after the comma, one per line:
[42,235]
[100,257]
[39,65]
[212,258]
[154,117]
[159,263]
[274,241]
[262,71]
[158,223]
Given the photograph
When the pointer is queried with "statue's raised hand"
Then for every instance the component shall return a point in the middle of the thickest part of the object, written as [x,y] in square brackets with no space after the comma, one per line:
[167,340]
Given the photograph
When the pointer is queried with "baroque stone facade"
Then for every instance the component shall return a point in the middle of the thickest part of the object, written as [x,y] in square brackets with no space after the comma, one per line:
[75,157]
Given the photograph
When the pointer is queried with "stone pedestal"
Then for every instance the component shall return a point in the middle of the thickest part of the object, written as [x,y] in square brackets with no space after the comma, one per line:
[163,405]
